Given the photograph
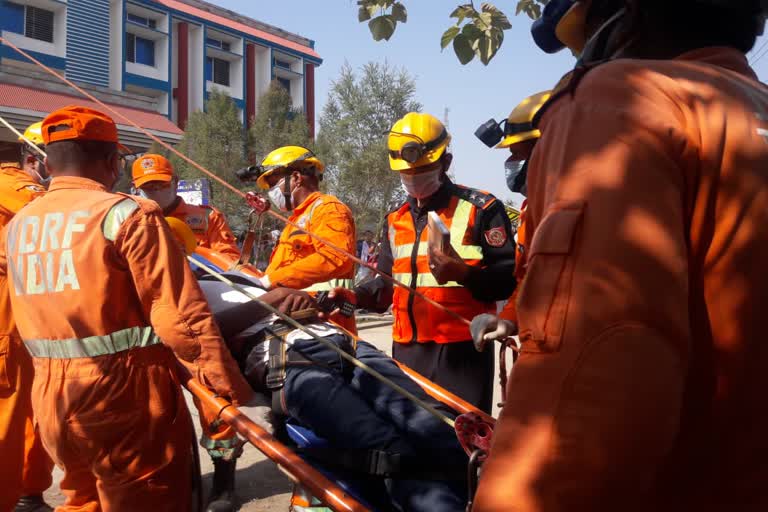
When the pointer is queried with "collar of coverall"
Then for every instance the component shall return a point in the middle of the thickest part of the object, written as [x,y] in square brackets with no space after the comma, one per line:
[439,199]
[76,182]
[306,203]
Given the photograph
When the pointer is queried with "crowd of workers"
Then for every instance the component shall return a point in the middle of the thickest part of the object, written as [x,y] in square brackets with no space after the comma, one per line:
[632,283]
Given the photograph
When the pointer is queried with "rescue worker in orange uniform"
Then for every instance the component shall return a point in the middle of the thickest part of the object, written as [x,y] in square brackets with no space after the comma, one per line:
[641,316]
[155,179]
[292,176]
[120,306]
[25,467]
[467,278]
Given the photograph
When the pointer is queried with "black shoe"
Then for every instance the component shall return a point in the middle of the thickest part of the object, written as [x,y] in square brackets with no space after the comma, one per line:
[223,498]
[32,504]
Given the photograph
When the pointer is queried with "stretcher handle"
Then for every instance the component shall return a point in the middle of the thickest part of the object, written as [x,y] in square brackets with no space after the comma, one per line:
[321,487]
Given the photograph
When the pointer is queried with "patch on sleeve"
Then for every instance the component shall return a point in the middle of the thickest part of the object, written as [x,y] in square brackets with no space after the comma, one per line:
[496,237]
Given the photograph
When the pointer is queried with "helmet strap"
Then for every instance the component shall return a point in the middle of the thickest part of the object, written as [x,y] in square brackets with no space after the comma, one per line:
[287,191]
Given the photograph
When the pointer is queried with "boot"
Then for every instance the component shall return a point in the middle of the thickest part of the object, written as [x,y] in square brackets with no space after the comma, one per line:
[222,497]
[33,503]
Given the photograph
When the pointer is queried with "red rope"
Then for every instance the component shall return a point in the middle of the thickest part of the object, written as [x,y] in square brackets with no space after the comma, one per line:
[205,171]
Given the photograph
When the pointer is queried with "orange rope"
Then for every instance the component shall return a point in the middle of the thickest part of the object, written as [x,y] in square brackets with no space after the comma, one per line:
[223,182]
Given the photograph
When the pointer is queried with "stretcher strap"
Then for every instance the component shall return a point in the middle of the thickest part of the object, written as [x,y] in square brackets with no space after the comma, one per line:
[383,464]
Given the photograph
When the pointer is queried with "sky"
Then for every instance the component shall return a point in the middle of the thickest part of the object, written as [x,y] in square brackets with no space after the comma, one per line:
[473,93]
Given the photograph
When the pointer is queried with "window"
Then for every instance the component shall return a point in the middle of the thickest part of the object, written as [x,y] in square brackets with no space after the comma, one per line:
[139,50]
[33,22]
[216,43]
[217,71]
[141,20]
[285,83]
[38,24]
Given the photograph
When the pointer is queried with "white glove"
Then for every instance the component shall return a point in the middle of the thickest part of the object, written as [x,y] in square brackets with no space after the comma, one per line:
[259,410]
[485,328]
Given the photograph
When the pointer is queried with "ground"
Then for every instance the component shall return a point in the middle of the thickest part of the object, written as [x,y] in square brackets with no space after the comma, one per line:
[261,485]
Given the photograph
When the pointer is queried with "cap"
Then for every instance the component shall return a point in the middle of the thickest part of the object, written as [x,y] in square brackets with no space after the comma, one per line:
[79,123]
[151,167]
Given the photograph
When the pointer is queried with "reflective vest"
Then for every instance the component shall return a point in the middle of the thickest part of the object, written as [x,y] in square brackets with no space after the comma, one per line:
[414,318]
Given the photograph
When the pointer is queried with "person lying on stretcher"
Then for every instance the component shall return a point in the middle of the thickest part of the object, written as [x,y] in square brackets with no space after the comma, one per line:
[344,405]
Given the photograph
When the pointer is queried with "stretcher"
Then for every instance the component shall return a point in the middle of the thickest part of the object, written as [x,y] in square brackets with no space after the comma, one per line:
[318,488]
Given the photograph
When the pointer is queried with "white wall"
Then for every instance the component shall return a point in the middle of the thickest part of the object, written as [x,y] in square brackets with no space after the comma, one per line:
[116,30]
[196,53]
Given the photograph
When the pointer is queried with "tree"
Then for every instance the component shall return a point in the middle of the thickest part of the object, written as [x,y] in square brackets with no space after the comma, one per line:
[215,138]
[359,111]
[277,123]
[477,33]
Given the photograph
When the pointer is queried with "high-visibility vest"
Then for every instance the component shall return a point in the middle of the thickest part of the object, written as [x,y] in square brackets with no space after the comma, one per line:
[415,320]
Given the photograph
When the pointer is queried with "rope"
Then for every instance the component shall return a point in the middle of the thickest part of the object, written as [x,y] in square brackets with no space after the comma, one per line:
[227,185]
[353,360]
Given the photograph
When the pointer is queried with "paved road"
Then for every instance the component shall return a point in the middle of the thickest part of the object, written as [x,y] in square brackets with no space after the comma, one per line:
[261,486]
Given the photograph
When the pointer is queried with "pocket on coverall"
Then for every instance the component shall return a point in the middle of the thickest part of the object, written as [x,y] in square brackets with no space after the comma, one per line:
[542,303]
[7,380]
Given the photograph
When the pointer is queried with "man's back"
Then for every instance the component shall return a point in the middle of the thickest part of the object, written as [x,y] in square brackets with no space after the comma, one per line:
[648,215]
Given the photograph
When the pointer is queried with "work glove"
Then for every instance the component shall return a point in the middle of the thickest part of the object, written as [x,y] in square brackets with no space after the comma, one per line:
[488,328]
[259,410]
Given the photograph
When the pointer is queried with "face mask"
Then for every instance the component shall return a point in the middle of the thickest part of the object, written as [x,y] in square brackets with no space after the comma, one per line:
[516,172]
[277,196]
[423,184]
[164,197]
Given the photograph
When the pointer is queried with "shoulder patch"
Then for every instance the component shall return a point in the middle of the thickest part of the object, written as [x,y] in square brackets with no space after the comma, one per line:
[478,198]
[116,216]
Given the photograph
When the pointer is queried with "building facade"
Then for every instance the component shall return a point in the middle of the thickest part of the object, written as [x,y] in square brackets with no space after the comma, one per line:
[155,61]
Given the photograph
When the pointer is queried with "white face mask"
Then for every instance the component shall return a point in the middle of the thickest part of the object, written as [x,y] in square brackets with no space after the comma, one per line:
[422,185]
[164,197]
[277,197]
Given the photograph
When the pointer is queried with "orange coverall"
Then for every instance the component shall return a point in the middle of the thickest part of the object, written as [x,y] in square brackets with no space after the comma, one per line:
[209,226]
[300,261]
[110,282]
[510,308]
[642,312]
[25,467]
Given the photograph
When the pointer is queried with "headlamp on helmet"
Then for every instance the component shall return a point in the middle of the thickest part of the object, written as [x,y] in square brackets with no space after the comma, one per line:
[412,152]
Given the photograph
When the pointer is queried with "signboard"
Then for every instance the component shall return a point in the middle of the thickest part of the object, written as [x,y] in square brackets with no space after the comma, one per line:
[196,192]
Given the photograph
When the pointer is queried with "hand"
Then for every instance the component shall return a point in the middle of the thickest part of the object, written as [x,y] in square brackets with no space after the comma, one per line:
[259,410]
[447,266]
[295,300]
[342,294]
[488,328]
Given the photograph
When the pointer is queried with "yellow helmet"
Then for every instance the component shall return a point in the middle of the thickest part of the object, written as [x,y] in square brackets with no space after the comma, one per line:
[416,140]
[519,125]
[34,134]
[183,234]
[287,157]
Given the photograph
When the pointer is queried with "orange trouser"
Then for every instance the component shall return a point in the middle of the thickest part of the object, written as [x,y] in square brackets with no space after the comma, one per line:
[119,427]
[25,467]
[218,438]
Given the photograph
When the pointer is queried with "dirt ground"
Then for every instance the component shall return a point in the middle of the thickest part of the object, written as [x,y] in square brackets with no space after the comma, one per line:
[261,486]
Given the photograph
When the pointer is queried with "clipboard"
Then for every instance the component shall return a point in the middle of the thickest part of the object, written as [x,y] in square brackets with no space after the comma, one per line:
[439,234]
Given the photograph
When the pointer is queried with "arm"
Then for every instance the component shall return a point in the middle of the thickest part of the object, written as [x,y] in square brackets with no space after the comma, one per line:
[376,294]
[334,223]
[220,237]
[495,278]
[173,302]
[595,399]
